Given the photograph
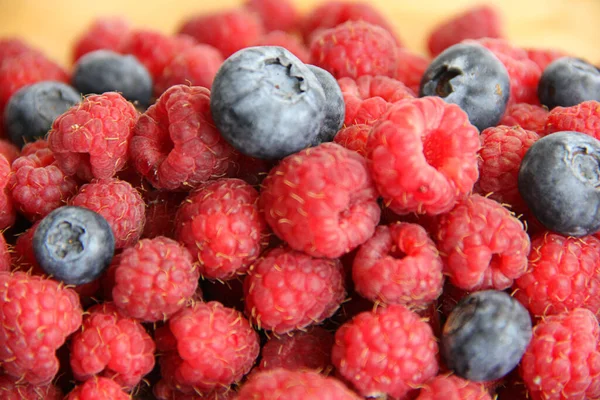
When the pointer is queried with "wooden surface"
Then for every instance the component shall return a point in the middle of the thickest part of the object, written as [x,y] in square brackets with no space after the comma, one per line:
[572,25]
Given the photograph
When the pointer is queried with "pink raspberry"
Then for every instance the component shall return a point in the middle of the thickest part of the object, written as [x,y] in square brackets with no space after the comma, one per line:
[527,116]
[354,137]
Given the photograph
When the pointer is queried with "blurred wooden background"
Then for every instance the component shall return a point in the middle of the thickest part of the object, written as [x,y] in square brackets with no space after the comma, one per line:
[572,25]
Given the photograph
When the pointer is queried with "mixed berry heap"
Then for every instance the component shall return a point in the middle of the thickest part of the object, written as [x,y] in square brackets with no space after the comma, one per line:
[271,205]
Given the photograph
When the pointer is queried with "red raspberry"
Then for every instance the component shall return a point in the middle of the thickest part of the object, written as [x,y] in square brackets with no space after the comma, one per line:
[562,275]
[287,41]
[37,316]
[228,31]
[154,49]
[482,244]
[299,350]
[9,150]
[8,213]
[175,143]
[196,66]
[369,97]
[161,208]
[527,116]
[13,46]
[276,15]
[211,346]
[543,57]
[452,387]
[410,68]
[12,389]
[482,21]
[163,391]
[98,388]
[423,156]
[584,118]
[354,137]
[111,345]
[282,384]
[91,138]
[5,257]
[154,279]
[37,185]
[399,264]
[119,203]
[22,256]
[31,147]
[103,33]
[392,334]
[321,201]
[354,49]
[502,149]
[222,227]
[287,290]
[562,359]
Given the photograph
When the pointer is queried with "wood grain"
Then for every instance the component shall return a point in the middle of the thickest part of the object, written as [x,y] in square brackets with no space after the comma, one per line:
[570,25]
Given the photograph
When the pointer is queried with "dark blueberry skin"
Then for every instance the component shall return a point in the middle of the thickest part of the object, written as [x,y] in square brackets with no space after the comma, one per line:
[486,335]
[472,77]
[30,112]
[559,179]
[74,245]
[266,103]
[335,107]
[103,71]
[567,82]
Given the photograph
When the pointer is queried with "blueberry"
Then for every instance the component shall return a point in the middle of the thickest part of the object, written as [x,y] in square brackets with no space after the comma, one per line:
[559,179]
[567,82]
[30,112]
[103,71]
[335,107]
[266,103]
[472,77]
[486,335]
[73,244]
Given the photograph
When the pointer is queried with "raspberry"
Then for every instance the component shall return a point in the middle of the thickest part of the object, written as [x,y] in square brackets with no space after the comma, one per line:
[163,391]
[222,227]
[5,258]
[368,98]
[8,150]
[287,290]
[111,345]
[287,41]
[299,350]
[38,186]
[211,346]
[527,116]
[8,213]
[12,46]
[31,147]
[154,49]
[282,384]
[452,387]
[482,244]
[104,33]
[410,68]
[561,361]
[196,66]
[584,118]
[399,264]
[354,49]
[98,388]
[13,389]
[502,149]
[354,137]
[119,203]
[161,207]
[321,201]
[228,31]
[22,256]
[543,57]
[91,138]
[175,143]
[154,279]
[423,156]
[561,276]
[394,334]
[276,15]
[477,22]
[37,316]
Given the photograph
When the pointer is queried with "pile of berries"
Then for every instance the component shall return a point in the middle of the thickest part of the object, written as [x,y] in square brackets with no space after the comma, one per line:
[270,205]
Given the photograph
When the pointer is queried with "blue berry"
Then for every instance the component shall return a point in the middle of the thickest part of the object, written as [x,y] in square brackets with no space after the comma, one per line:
[559,179]
[266,103]
[567,82]
[30,112]
[335,107]
[486,335]
[472,77]
[73,244]
[103,71]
